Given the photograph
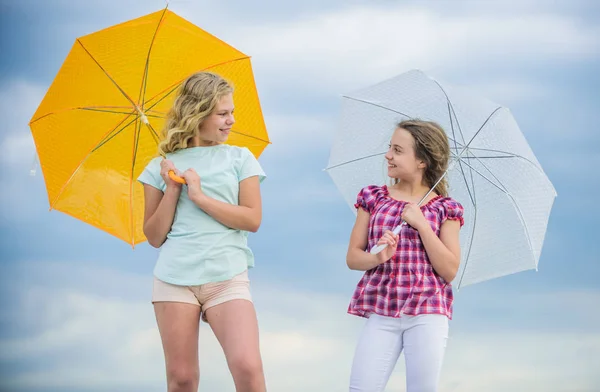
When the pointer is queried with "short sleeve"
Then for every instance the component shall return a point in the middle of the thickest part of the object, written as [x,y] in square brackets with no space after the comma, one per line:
[367,198]
[454,211]
[250,167]
[151,175]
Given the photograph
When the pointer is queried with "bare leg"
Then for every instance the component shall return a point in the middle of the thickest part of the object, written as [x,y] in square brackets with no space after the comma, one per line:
[235,326]
[178,324]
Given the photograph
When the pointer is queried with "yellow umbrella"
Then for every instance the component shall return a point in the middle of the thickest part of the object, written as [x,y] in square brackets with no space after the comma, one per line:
[99,123]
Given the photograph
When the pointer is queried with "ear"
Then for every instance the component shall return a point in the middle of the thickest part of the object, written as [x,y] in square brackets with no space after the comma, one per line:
[422,165]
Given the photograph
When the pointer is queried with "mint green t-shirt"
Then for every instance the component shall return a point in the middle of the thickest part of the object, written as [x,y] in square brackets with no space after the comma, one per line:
[199,249]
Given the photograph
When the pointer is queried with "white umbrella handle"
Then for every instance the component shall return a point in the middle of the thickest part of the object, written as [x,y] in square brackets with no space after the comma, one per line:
[381,247]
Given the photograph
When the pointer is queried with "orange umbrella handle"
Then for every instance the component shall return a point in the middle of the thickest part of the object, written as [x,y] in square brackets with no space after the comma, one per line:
[176,178]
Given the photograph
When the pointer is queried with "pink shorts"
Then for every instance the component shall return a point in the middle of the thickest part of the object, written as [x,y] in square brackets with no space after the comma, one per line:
[205,295]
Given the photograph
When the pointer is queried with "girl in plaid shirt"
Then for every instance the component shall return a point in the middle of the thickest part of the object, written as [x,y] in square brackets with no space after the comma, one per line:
[405,293]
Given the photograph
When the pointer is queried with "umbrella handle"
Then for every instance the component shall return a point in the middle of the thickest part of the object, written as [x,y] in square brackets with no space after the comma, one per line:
[175,177]
[381,247]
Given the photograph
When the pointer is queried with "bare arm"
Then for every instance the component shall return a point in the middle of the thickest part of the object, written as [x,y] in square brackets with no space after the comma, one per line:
[443,251]
[359,260]
[159,210]
[159,213]
[245,216]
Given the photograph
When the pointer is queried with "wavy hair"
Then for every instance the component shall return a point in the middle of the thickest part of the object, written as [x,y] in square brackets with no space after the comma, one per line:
[195,101]
[433,148]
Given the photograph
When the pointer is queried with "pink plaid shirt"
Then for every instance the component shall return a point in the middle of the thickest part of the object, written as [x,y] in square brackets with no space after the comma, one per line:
[407,283]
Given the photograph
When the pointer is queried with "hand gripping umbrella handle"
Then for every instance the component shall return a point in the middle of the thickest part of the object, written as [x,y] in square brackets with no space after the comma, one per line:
[381,247]
[175,177]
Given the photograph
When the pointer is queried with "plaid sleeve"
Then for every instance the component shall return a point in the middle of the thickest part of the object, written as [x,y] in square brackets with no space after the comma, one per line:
[367,198]
[454,211]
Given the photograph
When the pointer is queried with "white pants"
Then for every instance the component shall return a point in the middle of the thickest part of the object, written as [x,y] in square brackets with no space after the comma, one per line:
[423,339]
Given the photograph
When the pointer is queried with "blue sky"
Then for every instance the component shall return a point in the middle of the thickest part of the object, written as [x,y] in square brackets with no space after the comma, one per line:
[75,312]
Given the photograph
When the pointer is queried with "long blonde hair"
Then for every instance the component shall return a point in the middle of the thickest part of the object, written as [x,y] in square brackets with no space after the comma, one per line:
[432,147]
[195,101]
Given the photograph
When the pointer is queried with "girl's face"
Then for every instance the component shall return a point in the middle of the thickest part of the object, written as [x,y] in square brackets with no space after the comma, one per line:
[216,127]
[402,162]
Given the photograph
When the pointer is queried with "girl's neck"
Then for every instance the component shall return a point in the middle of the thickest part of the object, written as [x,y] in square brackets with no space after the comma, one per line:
[412,188]
[197,142]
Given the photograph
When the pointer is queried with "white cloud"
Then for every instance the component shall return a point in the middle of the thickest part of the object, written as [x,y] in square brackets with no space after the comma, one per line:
[345,49]
[18,102]
[86,340]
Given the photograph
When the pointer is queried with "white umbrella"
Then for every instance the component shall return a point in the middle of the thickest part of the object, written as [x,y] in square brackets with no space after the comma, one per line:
[493,172]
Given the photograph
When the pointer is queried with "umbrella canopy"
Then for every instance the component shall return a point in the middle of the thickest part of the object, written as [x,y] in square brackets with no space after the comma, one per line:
[493,172]
[99,123]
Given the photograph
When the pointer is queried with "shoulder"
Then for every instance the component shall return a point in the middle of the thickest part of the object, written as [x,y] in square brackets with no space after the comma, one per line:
[369,196]
[450,203]
[449,208]
[153,164]
[374,191]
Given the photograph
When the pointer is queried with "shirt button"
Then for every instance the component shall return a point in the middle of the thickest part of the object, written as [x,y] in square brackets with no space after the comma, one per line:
[392,275]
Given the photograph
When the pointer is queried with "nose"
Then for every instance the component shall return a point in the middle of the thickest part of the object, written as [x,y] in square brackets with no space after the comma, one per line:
[230,119]
[388,156]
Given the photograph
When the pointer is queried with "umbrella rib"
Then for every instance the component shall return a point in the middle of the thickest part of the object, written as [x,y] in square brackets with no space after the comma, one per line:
[107,74]
[376,105]
[250,136]
[175,85]
[154,134]
[468,255]
[112,135]
[508,155]
[450,112]
[136,139]
[451,108]
[114,112]
[145,76]
[172,90]
[237,132]
[512,199]
[81,108]
[382,153]
[354,160]
[62,189]
[163,114]
[483,125]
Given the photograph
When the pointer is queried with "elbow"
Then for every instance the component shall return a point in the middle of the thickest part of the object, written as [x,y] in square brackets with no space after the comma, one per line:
[155,243]
[254,225]
[350,263]
[450,275]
